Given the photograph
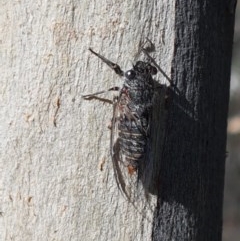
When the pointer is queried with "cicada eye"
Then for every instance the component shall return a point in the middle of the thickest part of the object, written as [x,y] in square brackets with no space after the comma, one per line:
[153,70]
[130,74]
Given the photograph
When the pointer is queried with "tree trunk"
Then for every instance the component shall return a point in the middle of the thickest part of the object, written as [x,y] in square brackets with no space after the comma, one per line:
[57,180]
[192,173]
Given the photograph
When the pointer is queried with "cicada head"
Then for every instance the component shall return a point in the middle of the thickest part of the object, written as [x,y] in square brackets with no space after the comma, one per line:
[139,74]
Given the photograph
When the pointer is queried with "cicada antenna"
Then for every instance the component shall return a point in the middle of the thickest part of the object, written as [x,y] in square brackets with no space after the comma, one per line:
[112,65]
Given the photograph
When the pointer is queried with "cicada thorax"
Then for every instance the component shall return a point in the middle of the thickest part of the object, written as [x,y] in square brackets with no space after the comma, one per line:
[135,107]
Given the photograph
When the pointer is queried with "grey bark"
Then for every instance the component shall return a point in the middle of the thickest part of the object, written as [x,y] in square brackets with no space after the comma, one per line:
[56,175]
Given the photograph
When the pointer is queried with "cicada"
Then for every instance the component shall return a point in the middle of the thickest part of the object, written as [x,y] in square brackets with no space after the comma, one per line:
[131,120]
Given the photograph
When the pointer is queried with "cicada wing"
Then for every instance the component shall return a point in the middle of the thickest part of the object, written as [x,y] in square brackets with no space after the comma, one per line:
[115,150]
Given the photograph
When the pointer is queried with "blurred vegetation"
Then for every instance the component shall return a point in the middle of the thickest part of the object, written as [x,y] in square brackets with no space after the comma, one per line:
[231,212]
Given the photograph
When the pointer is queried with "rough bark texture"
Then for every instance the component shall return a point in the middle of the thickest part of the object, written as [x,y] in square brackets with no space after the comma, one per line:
[56,174]
[192,178]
